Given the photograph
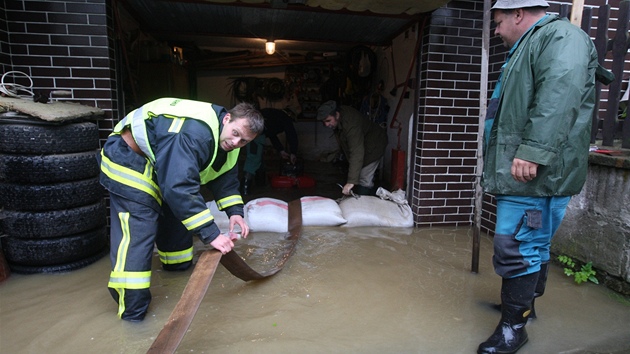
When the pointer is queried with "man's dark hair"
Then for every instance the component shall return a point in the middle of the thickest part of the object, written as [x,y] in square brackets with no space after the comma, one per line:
[245,110]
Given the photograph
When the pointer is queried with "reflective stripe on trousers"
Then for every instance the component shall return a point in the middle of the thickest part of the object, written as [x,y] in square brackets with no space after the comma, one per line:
[176,257]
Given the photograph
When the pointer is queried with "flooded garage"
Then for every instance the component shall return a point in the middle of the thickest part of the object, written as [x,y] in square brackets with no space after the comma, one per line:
[344,290]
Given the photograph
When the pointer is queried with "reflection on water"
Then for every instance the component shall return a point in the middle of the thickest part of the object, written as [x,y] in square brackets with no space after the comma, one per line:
[345,290]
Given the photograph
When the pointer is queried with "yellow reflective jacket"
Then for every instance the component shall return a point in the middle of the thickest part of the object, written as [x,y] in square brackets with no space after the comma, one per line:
[180,139]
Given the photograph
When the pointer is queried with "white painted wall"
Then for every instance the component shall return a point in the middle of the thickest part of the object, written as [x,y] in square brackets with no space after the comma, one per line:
[214,86]
[394,72]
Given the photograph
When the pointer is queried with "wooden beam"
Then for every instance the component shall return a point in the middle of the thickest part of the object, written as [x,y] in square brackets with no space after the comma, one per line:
[483,102]
[180,319]
[177,324]
[576,12]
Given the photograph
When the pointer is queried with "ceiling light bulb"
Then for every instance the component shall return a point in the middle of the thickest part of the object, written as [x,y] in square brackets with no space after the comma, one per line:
[270,47]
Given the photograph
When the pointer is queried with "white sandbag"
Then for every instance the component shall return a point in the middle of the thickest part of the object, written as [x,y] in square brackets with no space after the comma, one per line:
[398,196]
[220,217]
[267,215]
[320,211]
[374,211]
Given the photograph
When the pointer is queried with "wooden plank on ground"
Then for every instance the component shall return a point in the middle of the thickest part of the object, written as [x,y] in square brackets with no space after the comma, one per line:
[177,324]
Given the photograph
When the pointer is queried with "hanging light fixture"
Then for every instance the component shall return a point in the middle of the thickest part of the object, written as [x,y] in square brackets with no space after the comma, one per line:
[270,47]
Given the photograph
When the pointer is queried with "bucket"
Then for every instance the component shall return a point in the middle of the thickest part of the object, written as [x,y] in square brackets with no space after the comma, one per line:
[283,182]
[305,182]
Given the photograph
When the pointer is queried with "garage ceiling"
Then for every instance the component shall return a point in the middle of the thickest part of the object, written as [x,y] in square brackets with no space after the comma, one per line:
[212,27]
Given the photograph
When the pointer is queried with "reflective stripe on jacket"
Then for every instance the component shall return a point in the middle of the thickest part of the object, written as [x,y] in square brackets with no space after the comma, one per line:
[180,139]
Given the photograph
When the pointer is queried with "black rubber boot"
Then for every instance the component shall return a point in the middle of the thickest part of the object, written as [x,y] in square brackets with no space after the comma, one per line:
[510,334]
[247,184]
[541,284]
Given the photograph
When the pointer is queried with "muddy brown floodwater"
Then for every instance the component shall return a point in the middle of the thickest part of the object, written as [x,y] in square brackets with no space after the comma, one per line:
[345,290]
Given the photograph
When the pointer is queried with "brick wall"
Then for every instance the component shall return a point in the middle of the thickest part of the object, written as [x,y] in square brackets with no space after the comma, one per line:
[448,112]
[4,41]
[63,45]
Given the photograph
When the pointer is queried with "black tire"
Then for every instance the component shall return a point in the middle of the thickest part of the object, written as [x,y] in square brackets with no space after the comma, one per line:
[61,268]
[21,138]
[40,169]
[25,197]
[56,223]
[54,251]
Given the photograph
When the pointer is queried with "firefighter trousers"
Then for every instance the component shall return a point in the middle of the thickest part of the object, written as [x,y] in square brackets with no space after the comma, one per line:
[139,219]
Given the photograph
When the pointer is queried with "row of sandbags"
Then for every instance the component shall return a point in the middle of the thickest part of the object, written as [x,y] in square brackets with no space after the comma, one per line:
[271,215]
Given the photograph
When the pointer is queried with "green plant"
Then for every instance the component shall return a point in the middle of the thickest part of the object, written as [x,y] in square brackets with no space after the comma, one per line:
[586,272]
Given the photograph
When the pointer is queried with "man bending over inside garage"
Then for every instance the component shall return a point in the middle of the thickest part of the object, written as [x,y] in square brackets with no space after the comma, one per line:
[153,165]
[361,140]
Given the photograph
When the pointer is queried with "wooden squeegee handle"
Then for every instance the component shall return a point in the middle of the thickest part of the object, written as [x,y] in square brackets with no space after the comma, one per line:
[177,324]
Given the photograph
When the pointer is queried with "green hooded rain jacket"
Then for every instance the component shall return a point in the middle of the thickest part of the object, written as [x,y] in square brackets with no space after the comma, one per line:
[544,112]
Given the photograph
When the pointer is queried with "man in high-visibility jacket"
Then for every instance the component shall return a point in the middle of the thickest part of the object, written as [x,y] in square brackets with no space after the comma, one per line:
[153,165]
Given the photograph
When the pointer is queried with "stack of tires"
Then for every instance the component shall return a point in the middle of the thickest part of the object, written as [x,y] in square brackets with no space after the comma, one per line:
[53,214]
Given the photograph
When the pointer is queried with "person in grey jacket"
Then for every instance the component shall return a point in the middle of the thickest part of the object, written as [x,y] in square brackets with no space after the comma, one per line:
[536,155]
[361,140]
